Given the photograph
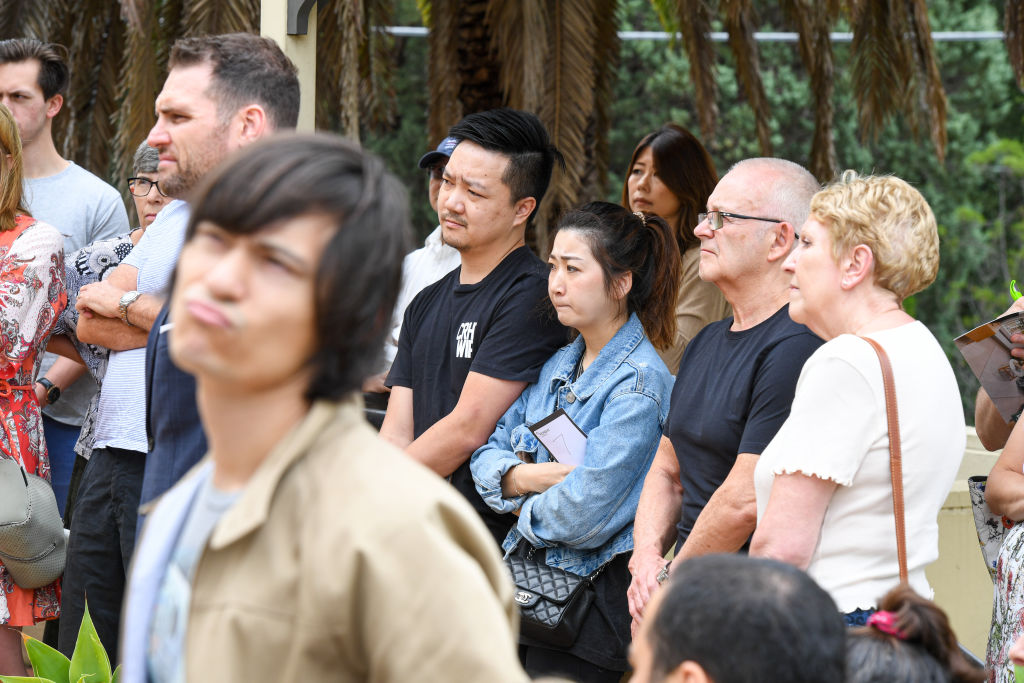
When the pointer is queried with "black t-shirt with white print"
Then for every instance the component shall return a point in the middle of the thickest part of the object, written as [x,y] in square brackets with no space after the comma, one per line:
[503,326]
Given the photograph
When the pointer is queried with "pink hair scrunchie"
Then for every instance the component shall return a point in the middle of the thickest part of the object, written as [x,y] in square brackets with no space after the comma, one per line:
[886,623]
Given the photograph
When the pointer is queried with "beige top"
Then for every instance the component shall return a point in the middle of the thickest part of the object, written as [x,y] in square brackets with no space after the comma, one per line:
[345,560]
[697,304]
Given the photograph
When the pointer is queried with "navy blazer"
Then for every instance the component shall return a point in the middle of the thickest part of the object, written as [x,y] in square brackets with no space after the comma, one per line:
[175,433]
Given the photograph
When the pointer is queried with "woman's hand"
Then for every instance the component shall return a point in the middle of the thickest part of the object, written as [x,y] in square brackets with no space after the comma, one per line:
[533,478]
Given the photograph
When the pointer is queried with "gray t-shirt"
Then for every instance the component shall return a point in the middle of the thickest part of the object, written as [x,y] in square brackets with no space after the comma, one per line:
[170,616]
[84,209]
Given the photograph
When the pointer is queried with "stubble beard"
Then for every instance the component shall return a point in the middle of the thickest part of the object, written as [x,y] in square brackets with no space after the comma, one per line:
[205,155]
[457,244]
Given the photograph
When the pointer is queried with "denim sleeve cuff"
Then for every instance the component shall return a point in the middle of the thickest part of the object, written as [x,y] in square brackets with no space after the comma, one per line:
[487,470]
[525,526]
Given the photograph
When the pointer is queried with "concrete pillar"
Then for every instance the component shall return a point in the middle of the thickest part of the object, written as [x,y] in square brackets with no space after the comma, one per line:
[292,23]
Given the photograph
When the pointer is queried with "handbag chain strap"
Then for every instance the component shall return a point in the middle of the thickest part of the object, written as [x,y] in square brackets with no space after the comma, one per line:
[895,455]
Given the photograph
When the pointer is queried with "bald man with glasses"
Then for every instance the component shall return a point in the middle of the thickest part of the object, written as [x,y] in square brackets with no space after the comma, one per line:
[736,380]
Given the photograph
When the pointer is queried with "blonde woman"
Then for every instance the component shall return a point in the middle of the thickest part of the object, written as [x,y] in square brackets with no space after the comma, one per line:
[32,297]
[824,491]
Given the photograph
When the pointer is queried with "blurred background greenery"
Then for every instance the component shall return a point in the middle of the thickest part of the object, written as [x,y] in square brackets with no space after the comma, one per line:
[976,192]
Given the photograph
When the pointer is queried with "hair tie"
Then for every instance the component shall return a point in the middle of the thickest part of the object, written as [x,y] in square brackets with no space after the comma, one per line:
[886,623]
[642,216]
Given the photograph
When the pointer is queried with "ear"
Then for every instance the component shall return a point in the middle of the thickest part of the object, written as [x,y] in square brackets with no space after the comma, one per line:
[53,105]
[857,266]
[622,285]
[688,672]
[252,123]
[523,208]
[783,236]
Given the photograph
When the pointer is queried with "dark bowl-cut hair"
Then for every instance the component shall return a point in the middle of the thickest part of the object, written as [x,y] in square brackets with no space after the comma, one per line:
[520,136]
[687,170]
[625,242]
[246,68]
[747,620]
[53,62]
[359,274]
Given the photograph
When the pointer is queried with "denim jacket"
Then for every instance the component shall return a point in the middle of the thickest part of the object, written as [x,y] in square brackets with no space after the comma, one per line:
[621,402]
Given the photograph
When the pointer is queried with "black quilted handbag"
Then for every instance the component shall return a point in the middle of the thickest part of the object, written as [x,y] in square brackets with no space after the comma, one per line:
[552,602]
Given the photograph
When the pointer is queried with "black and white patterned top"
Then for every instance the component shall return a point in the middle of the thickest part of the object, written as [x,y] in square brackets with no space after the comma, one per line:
[90,264]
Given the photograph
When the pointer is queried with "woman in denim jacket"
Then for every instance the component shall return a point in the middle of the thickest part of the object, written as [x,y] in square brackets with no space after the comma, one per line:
[613,276]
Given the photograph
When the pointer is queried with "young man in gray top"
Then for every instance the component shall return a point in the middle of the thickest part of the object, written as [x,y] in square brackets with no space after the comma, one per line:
[33,80]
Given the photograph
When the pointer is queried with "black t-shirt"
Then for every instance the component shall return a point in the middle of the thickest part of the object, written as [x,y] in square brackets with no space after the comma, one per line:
[732,394]
[503,326]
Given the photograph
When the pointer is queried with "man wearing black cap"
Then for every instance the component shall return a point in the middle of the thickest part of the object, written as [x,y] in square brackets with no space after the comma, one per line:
[434,259]
[421,267]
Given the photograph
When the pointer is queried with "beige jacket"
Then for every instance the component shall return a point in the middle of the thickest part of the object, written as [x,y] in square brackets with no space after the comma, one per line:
[343,560]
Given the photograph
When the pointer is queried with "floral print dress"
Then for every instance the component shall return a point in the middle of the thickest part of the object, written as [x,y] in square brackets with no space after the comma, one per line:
[32,296]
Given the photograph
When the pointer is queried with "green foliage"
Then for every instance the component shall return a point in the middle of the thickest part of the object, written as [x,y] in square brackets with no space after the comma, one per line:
[977,193]
[88,663]
[403,143]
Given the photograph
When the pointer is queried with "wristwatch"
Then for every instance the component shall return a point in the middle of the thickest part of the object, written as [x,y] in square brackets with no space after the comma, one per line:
[127,299]
[663,574]
[52,390]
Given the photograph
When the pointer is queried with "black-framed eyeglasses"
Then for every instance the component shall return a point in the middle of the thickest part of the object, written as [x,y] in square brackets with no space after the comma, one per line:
[716,219]
[140,187]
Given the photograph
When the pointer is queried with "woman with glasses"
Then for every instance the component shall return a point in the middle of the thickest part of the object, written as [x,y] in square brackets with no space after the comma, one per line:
[613,279]
[672,175]
[93,263]
[32,296]
[823,485]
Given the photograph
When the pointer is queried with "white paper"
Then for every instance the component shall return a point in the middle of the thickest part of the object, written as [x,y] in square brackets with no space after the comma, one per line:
[562,437]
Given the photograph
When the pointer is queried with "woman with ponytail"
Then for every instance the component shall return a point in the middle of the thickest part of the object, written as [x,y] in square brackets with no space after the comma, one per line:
[908,640]
[613,280]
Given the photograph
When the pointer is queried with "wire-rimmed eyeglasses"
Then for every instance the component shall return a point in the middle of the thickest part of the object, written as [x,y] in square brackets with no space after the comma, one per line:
[716,219]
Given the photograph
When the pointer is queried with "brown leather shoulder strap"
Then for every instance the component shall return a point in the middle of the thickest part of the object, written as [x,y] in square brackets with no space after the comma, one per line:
[895,455]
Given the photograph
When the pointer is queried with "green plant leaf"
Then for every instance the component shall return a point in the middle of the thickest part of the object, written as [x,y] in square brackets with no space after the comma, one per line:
[89,659]
[47,663]
[24,679]
[116,678]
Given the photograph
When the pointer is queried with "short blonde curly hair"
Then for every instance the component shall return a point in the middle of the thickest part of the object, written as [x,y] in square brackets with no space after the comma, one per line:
[892,219]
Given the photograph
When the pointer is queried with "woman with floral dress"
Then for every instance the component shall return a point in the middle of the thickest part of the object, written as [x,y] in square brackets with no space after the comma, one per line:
[32,296]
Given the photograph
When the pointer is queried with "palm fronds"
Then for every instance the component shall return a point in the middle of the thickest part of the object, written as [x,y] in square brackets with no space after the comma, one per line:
[221,16]
[606,62]
[568,102]
[517,24]
[739,22]
[930,112]
[1014,22]
[894,68]
[694,22]
[137,90]
[20,19]
[812,21]
[442,68]
[91,102]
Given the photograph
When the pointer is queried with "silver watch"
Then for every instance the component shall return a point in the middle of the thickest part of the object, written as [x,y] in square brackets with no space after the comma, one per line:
[127,299]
